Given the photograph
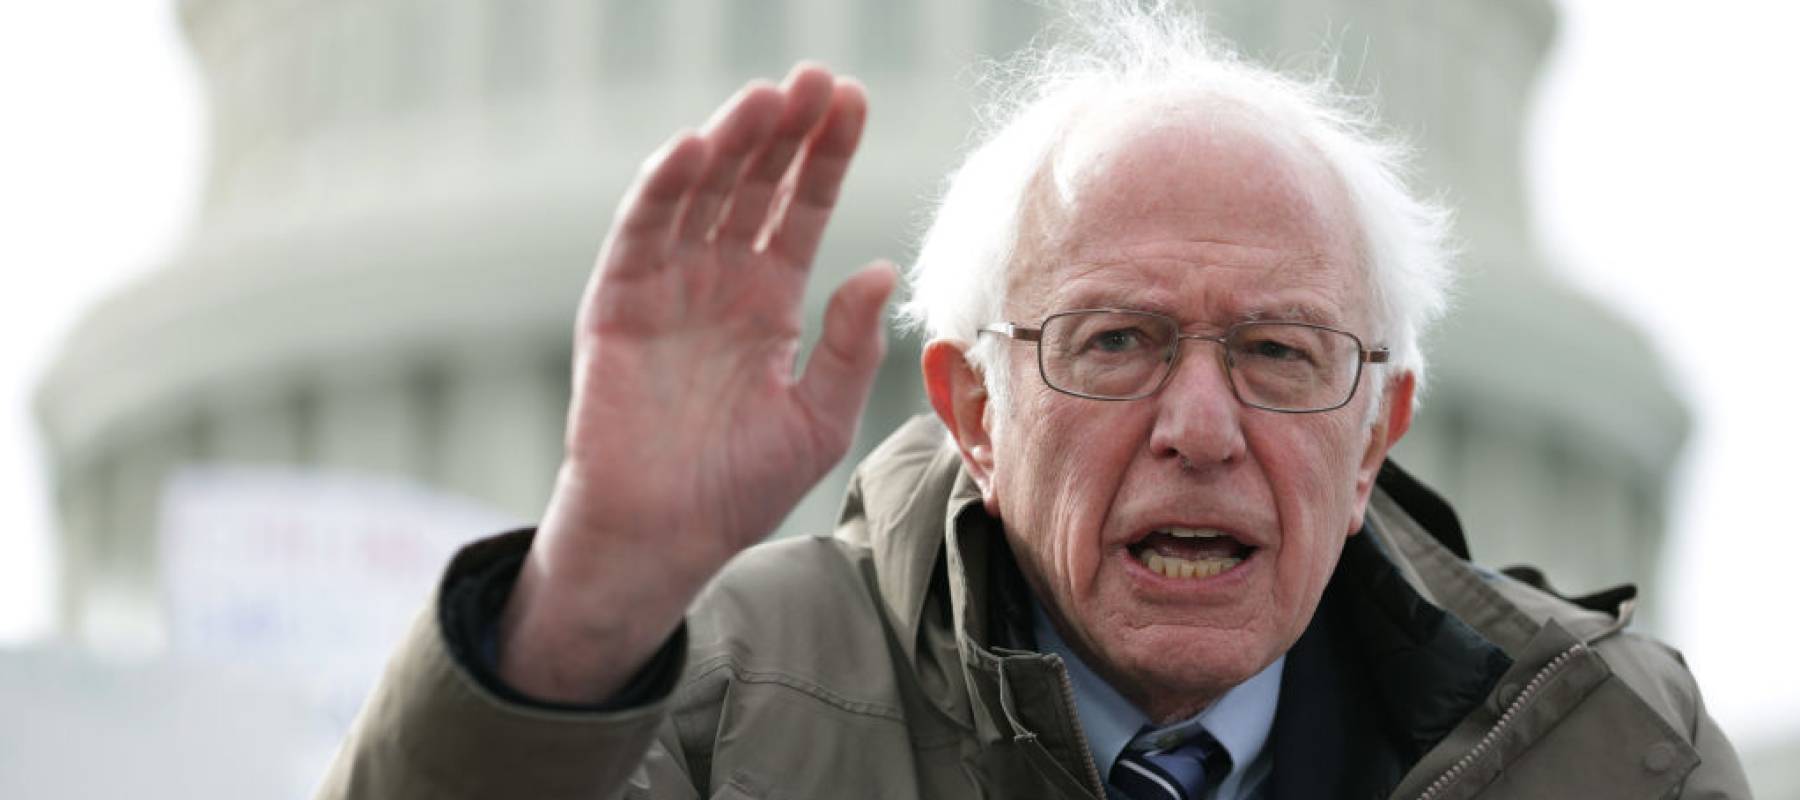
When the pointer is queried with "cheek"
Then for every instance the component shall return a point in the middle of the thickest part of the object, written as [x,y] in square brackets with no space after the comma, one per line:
[1077,519]
[1316,464]
[1312,472]
[1056,479]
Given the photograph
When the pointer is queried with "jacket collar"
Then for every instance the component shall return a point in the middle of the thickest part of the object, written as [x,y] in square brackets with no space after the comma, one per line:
[950,588]
[1423,539]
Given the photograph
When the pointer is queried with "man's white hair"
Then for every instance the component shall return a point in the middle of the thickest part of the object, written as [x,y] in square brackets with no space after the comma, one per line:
[1119,53]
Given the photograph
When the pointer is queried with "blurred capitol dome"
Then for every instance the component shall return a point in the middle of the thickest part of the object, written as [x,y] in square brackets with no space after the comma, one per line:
[358,358]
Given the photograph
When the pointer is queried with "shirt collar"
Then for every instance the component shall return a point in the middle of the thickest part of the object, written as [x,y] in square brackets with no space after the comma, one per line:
[1240,719]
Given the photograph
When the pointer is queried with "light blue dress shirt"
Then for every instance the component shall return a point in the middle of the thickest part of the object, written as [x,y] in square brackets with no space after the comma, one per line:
[1240,720]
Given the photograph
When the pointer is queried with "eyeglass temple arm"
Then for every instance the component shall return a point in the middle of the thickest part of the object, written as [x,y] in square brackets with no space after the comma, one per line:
[1377,356]
[1016,332]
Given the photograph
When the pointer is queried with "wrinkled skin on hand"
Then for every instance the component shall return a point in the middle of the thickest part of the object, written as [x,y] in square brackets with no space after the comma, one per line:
[689,435]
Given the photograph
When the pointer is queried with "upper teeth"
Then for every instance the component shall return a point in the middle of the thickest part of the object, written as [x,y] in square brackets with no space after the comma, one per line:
[1193,533]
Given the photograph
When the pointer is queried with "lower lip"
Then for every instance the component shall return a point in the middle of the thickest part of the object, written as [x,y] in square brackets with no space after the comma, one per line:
[1227,582]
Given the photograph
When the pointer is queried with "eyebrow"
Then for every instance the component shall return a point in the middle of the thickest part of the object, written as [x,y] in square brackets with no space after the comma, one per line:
[1128,300]
[1114,296]
[1294,312]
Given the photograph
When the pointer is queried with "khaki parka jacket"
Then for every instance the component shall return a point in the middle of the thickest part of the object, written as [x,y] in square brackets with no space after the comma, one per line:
[892,660]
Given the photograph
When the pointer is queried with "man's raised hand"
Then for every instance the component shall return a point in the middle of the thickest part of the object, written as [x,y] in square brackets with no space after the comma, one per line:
[689,438]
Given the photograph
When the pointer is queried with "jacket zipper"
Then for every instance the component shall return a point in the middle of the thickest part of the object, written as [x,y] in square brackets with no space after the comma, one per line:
[1532,687]
[1087,754]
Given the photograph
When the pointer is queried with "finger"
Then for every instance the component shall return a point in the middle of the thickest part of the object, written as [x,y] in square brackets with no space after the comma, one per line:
[842,367]
[811,189]
[738,129]
[646,218]
[809,91]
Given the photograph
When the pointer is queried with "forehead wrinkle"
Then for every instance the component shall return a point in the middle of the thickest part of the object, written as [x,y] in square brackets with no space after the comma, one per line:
[1142,284]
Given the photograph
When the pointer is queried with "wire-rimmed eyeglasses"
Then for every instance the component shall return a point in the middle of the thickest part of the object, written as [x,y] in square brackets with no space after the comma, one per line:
[1121,354]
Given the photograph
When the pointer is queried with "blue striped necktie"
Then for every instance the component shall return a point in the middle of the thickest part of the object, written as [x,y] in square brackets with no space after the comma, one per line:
[1178,773]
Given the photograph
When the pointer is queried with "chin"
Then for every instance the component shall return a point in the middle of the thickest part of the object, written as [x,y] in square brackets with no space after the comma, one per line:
[1175,671]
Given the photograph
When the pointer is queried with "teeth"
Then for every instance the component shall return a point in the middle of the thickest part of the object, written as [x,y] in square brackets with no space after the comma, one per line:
[1182,568]
[1193,533]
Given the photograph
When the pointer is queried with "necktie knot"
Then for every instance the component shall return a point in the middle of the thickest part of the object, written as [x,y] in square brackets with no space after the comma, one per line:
[1182,772]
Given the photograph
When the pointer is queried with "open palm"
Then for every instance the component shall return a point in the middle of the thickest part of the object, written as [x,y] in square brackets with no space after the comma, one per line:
[689,436]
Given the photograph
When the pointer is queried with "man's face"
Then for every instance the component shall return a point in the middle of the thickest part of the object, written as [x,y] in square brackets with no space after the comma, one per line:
[1211,223]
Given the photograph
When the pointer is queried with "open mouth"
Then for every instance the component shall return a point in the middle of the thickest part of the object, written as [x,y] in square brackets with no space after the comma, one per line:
[1190,552]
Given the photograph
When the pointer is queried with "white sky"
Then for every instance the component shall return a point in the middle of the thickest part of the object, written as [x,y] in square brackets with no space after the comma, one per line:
[99,167]
[1662,159]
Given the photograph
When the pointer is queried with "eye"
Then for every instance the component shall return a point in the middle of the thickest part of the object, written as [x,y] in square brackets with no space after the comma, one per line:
[1275,351]
[1275,346]
[1116,340]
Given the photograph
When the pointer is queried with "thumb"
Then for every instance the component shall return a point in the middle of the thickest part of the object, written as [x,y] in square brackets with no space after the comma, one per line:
[842,367]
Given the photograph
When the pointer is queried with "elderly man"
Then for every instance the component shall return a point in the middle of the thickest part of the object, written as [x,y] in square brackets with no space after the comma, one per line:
[1150,546]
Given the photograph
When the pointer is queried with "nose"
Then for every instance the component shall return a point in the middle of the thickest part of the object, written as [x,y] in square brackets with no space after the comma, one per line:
[1198,420]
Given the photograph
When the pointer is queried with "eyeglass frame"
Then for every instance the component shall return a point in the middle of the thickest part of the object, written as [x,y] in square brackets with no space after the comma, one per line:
[1020,333]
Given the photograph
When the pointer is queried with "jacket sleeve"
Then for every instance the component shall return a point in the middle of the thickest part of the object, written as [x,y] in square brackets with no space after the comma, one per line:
[1720,773]
[433,729]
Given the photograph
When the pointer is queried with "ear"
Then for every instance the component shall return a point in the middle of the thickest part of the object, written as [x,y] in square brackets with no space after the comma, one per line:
[1391,423]
[960,399]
